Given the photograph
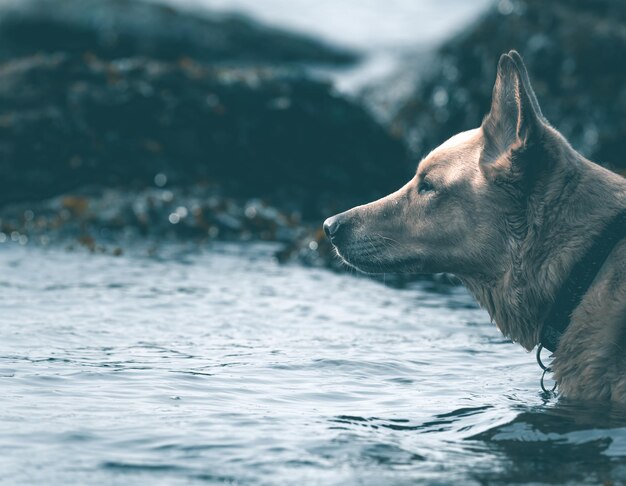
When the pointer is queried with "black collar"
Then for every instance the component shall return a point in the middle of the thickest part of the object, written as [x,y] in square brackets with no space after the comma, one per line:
[579,281]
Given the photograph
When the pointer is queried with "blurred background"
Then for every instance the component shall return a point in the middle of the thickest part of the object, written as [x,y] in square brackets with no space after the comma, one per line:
[215,119]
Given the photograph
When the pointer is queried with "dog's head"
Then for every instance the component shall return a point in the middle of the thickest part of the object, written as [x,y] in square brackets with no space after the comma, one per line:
[455,214]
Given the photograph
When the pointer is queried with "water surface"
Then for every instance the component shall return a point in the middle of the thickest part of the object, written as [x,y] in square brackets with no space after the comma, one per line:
[183,365]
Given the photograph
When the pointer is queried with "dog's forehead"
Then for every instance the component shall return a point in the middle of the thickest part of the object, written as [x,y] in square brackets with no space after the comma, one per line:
[456,156]
[459,141]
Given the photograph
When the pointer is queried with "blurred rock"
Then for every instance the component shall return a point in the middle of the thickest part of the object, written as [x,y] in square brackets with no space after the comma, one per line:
[575,51]
[67,121]
[110,218]
[113,29]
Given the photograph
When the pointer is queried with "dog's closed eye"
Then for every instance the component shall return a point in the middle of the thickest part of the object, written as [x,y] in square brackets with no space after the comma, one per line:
[424,187]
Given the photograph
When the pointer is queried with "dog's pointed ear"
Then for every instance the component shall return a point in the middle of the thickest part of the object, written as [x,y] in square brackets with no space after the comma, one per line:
[515,117]
[521,68]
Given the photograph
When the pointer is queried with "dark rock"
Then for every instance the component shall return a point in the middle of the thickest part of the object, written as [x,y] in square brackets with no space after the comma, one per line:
[112,29]
[575,51]
[67,121]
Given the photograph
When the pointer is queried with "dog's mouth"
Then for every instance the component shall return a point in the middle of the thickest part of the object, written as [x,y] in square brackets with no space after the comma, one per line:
[366,250]
[373,255]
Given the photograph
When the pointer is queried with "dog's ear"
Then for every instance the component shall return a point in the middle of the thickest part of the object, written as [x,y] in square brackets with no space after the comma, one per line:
[514,119]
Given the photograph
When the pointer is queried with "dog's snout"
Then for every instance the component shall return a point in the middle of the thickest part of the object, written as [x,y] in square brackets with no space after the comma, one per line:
[331,226]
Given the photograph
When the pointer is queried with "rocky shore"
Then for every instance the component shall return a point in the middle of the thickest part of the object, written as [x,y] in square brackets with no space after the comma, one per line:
[107,220]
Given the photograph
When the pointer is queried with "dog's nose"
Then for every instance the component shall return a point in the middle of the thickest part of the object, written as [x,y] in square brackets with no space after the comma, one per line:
[331,225]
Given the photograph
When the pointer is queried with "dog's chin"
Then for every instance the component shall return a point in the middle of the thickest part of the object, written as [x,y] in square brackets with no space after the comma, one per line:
[374,264]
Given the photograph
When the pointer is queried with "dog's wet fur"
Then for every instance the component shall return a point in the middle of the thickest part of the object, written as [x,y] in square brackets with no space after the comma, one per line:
[509,208]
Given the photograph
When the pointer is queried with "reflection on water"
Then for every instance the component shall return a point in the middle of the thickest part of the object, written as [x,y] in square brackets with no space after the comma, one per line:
[221,365]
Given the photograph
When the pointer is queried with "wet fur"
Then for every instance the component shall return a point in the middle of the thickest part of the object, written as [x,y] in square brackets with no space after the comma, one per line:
[515,207]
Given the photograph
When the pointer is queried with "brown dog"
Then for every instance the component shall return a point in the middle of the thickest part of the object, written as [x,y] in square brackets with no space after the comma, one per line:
[511,209]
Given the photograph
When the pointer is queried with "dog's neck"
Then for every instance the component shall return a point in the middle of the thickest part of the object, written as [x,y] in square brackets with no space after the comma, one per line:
[518,297]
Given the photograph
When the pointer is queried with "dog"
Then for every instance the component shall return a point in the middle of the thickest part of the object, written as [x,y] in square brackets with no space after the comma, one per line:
[511,209]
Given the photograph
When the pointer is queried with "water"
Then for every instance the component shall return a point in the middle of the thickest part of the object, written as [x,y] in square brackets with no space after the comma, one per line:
[364,25]
[389,35]
[218,365]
